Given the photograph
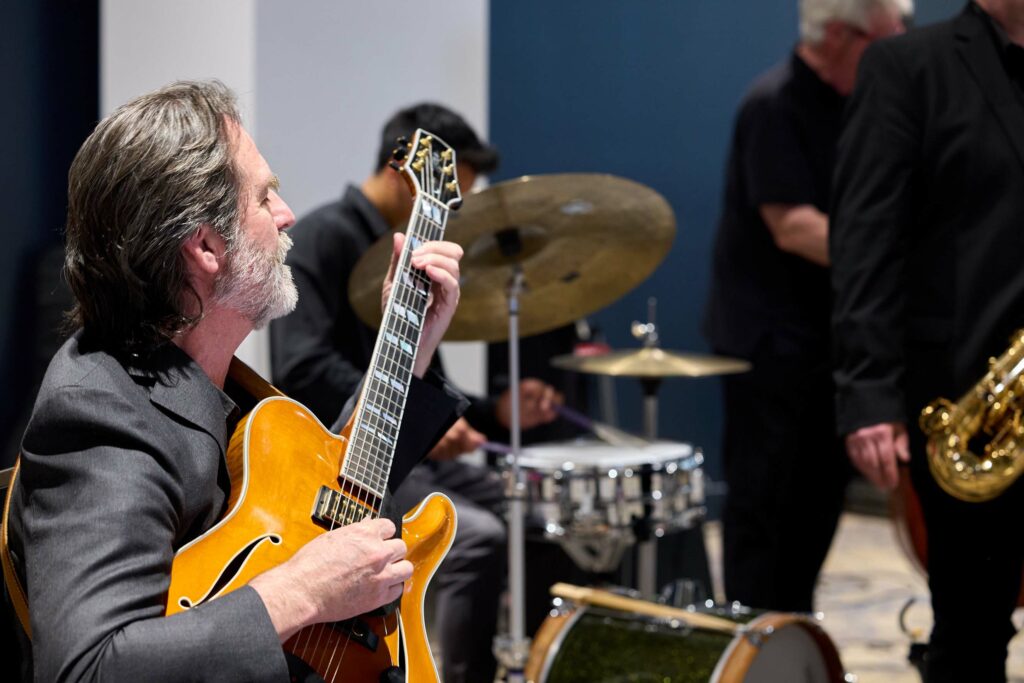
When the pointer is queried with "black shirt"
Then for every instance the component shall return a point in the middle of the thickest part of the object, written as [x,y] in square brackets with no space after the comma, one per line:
[1011,54]
[783,152]
[320,351]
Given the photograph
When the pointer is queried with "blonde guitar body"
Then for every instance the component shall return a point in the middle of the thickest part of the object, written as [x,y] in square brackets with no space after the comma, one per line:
[284,465]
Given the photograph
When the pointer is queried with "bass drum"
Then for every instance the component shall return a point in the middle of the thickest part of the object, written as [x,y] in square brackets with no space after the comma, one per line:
[593,645]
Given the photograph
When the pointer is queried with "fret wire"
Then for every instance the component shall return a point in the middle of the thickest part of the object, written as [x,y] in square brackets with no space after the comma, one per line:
[373,455]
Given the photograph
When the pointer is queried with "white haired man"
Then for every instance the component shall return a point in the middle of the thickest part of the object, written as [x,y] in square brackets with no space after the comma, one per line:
[769,303]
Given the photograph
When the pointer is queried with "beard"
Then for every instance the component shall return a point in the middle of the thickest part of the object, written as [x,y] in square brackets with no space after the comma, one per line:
[257,283]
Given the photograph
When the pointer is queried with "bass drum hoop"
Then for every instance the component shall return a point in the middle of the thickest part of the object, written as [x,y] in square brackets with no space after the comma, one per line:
[733,664]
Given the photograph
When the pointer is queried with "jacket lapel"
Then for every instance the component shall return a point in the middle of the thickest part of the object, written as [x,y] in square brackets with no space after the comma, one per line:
[976,47]
[179,386]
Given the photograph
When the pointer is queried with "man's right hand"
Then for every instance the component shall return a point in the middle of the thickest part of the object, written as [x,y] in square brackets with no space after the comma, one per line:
[339,574]
[458,440]
[875,449]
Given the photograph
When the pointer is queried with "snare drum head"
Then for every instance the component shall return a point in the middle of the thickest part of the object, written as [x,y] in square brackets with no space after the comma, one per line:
[598,455]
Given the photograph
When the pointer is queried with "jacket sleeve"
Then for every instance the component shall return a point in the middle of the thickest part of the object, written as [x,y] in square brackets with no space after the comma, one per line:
[99,518]
[871,217]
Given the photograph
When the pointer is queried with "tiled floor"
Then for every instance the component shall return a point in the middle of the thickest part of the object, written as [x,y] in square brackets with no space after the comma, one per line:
[866,581]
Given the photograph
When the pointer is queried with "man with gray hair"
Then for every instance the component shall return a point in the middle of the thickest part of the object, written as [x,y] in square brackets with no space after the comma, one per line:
[175,252]
[769,304]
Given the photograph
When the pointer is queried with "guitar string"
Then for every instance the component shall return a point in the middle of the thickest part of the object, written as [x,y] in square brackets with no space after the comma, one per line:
[365,450]
[344,505]
[365,447]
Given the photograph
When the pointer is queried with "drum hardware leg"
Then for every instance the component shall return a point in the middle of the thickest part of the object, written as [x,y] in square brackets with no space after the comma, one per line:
[647,551]
[513,649]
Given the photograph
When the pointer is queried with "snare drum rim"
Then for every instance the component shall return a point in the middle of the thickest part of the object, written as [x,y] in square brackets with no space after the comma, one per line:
[688,459]
[736,660]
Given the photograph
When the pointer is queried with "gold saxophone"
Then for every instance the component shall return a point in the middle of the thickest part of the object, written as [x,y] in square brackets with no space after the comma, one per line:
[987,417]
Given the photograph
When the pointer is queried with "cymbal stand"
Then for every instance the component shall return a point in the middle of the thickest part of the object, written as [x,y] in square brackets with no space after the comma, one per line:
[512,649]
[647,550]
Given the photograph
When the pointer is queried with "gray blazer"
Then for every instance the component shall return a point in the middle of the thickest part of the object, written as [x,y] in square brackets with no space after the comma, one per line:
[123,462]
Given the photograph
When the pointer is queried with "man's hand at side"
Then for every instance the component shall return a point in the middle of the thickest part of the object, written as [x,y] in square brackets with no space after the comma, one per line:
[875,451]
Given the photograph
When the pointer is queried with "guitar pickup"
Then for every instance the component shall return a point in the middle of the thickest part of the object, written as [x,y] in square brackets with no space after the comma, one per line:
[332,509]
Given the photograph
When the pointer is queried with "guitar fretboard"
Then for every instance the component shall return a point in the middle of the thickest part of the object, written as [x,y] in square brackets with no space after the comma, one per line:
[379,416]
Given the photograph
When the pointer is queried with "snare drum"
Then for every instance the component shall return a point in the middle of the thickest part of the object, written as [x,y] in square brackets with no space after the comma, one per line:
[588,495]
[594,645]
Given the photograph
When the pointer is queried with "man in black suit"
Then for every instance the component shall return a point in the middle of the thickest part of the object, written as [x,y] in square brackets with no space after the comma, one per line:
[769,304]
[927,250]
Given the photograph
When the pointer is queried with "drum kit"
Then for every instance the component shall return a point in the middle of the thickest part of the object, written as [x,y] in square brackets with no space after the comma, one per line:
[540,252]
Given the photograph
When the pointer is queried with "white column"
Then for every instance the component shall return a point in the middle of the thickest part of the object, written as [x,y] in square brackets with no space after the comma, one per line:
[315,79]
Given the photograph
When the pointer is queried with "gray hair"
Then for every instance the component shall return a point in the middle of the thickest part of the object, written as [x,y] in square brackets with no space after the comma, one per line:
[815,14]
[143,182]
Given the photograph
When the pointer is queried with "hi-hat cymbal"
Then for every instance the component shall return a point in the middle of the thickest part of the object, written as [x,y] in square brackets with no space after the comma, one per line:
[652,362]
[582,241]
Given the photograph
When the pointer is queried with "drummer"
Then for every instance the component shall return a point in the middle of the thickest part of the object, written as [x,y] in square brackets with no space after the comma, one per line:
[320,352]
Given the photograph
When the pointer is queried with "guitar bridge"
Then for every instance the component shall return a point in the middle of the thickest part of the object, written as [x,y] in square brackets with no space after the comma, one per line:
[333,509]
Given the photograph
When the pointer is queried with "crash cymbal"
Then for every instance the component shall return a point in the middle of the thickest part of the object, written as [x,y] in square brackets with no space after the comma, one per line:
[582,241]
[652,362]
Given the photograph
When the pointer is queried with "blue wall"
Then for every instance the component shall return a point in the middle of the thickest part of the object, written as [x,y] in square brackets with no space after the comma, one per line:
[647,90]
[51,84]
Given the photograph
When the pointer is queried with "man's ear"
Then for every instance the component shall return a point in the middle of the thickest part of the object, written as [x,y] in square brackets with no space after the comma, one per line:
[204,252]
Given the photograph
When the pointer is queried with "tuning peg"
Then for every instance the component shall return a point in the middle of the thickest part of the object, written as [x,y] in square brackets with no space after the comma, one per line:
[426,140]
[420,154]
[452,186]
[446,155]
[417,165]
[449,169]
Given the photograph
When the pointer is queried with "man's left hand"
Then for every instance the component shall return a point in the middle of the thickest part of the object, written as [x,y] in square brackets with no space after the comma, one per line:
[538,404]
[440,261]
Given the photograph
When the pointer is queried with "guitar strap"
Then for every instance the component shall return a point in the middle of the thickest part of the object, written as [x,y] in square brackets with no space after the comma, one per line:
[14,588]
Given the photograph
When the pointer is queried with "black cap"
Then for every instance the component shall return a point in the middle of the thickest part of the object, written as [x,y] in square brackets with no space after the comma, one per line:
[445,124]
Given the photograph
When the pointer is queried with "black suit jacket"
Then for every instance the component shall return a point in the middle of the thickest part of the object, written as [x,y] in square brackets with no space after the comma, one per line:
[927,234]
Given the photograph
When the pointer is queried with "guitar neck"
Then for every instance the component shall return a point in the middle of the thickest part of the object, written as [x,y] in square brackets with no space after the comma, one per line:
[382,403]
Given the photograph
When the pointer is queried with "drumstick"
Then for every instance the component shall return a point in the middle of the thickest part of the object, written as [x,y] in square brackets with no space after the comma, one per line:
[605,432]
[603,598]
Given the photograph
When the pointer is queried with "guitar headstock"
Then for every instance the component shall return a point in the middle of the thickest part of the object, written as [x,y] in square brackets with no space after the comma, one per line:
[428,165]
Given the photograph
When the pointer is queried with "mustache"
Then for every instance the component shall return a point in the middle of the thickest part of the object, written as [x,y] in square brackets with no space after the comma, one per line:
[284,245]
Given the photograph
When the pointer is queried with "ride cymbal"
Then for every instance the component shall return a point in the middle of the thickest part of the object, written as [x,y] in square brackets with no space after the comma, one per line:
[582,240]
[652,362]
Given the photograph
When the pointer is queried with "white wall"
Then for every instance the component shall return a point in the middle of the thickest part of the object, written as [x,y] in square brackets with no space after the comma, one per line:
[316,80]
